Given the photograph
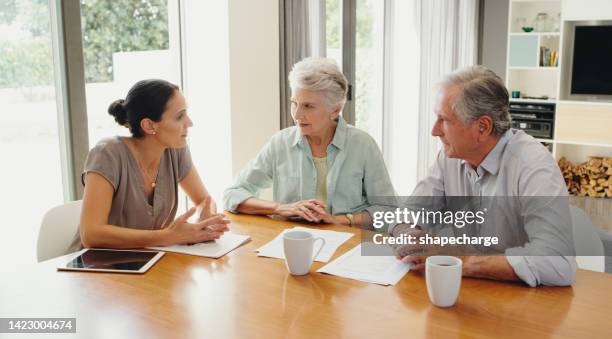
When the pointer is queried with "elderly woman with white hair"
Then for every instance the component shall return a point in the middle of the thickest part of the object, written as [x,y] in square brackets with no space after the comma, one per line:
[322,169]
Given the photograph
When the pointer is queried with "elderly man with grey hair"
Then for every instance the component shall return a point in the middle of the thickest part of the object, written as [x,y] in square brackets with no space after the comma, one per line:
[484,157]
[322,169]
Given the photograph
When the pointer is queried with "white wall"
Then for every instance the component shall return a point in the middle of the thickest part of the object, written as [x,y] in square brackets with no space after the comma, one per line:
[587,10]
[254,76]
[231,70]
[207,90]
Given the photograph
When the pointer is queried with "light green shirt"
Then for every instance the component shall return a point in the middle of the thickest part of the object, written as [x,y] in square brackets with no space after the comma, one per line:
[356,171]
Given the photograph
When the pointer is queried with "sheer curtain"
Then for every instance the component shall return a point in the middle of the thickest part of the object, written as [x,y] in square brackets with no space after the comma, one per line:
[401,92]
[448,36]
[302,34]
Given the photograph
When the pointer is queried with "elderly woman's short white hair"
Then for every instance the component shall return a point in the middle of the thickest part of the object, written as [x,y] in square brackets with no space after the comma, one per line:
[323,75]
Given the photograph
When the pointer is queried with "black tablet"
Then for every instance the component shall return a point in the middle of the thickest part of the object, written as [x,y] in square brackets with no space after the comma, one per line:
[107,260]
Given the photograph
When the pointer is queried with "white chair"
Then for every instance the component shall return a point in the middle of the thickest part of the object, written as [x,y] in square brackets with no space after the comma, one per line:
[58,227]
[587,241]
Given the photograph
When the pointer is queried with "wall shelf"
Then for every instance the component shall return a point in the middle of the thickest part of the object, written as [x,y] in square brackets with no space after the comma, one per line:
[587,103]
[533,101]
[581,127]
[529,1]
[582,143]
[536,33]
[535,68]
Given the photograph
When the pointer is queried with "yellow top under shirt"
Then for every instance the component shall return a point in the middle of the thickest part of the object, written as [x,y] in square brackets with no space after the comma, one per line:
[321,167]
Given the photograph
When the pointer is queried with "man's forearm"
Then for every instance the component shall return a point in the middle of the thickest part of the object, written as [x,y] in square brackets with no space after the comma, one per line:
[491,267]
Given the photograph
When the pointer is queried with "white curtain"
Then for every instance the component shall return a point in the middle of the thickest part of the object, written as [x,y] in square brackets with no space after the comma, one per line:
[316,21]
[449,35]
[401,92]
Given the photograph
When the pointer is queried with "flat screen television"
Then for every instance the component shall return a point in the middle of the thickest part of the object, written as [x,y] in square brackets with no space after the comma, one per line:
[592,60]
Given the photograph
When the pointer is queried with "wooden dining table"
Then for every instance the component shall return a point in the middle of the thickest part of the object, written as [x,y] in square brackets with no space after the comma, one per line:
[241,295]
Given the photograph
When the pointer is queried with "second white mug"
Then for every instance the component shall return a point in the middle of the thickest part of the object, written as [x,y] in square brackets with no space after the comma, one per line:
[443,279]
[298,247]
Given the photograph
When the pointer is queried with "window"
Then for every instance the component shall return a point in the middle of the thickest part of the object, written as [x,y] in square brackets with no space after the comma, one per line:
[29,141]
[376,42]
[369,56]
[333,30]
[141,40]
[366,55]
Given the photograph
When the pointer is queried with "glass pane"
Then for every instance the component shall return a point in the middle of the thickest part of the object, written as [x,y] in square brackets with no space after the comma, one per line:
[121,47]
[369,67]
[333,30]
[29,141]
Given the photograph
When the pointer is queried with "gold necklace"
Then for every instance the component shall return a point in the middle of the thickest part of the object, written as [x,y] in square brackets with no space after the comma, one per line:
[145,173]
[151,178]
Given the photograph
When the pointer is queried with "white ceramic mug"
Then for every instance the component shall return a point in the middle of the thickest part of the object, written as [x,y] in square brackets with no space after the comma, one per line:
[443,277]
[298,247]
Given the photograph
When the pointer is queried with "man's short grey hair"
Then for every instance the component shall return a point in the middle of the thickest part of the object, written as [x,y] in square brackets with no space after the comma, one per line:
[481,92]
[323,75]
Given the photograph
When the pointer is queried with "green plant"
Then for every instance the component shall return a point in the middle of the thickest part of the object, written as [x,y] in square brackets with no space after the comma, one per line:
[120,26]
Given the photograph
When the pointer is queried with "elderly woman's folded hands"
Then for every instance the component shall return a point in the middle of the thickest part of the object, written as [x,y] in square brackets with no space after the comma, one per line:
[311,210]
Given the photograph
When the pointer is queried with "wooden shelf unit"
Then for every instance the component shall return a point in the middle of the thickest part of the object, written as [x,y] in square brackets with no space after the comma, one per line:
[582,128]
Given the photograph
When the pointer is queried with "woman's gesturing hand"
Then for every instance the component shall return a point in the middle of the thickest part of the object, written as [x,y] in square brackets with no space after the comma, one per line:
[206,209]
[183,232]
[310,210]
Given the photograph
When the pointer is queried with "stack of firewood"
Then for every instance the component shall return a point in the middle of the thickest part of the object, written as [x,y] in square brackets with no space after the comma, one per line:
[592,178]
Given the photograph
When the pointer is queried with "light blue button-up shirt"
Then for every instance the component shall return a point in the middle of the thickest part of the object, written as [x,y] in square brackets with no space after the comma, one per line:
[356,171]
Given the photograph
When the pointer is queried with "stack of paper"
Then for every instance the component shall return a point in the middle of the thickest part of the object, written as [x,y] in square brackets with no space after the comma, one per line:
[212,249]
[333,240]
[383,270]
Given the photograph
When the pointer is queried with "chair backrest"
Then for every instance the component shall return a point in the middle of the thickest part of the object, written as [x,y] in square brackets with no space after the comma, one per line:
[58,227]
[588,245]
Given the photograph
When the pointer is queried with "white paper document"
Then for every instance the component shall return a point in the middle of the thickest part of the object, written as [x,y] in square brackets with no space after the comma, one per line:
[333,240]
[212,249]
[382,270]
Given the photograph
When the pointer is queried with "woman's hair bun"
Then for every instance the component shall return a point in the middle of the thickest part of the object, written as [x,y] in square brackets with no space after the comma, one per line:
[117,110]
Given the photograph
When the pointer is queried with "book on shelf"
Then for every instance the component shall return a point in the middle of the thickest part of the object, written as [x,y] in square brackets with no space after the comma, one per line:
[548,57]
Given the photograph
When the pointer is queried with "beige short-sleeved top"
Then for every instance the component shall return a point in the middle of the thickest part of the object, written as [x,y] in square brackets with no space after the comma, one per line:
[112,159]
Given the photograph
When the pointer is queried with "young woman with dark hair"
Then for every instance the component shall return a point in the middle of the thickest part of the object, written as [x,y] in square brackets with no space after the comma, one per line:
[131,183]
